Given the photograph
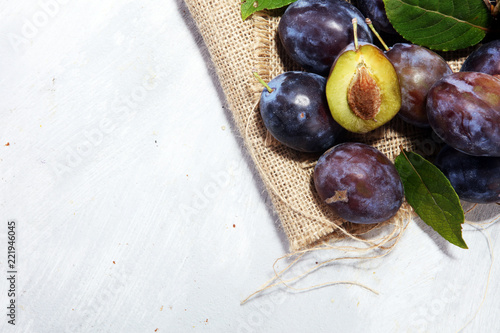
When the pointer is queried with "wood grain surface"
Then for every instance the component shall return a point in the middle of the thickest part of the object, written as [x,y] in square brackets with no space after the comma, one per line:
[137,208]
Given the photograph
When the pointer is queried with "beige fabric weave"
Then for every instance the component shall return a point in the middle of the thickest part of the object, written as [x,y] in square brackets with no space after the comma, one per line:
[238,48]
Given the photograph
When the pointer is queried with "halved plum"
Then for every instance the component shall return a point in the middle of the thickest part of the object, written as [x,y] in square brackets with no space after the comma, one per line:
[363,89]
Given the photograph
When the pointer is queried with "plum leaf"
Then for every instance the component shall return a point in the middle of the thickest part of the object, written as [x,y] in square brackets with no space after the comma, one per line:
[431,195]
[440,25]
[248,7]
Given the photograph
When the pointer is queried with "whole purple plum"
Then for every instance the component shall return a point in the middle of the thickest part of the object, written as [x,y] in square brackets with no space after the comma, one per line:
[486,59]
[359,183]
[474,178]
[314,32]
[296,112]
[418,69]
[464,110]
[375,11]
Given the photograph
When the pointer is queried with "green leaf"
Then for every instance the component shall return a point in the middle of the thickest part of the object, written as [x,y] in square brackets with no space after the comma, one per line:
[248,7]
[440,25]
[432,197]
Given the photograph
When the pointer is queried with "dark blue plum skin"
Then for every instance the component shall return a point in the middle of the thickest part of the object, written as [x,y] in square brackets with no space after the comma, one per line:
[373,188]
[464,111]
[474,178]
[296,112]
[486,59]
[418,69]
[375,11]
[314,32]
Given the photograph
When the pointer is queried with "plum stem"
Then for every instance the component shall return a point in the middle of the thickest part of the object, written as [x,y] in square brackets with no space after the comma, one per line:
[355,32]
[369,22]
[257,76]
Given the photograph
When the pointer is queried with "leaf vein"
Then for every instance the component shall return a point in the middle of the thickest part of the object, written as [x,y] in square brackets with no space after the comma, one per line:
[423,182]
[444,15]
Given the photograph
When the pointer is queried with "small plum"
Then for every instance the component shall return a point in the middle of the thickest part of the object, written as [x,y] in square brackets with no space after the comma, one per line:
[474,178]
[418,69]
[485,59]
[314,32]
[375,10]
[464,111]
[359,183]
[296,113]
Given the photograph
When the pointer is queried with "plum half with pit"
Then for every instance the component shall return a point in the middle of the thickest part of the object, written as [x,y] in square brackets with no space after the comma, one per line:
[464,111]
[359,183]
[363,89]
[296,112]
[474,178]
[418,68]
[314,32]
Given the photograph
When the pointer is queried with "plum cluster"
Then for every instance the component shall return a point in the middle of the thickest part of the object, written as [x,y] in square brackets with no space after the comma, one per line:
[349,84]
[464,111]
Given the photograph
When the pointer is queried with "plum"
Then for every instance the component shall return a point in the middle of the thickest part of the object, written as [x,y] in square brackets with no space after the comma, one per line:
[474,178]
[314,32]
[418,68]
[363,90]
[375,10]
[464,111]
[296,112]
[359,183]
[485,59]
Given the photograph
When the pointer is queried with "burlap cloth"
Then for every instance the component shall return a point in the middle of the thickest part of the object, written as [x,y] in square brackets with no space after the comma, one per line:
[237,48]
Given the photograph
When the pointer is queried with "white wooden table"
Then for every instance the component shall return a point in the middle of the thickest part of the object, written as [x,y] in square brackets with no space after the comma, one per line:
[136,208]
